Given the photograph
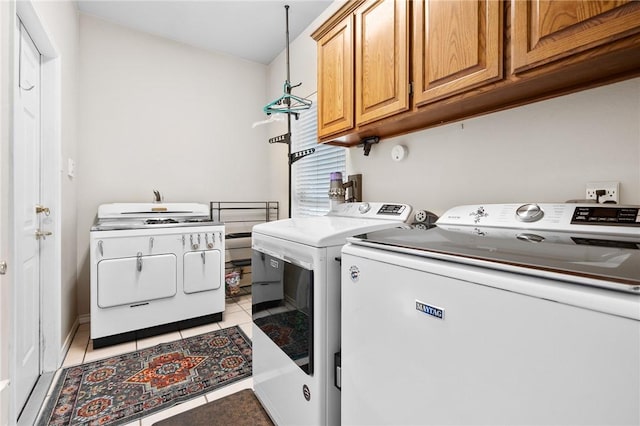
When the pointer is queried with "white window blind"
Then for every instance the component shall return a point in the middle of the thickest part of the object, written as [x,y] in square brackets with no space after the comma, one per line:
[310,175]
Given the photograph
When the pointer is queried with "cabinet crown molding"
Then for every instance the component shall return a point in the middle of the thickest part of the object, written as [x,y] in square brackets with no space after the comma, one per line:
[347,9]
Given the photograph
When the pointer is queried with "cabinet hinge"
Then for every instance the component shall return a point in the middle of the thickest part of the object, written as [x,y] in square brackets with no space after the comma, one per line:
[411,88]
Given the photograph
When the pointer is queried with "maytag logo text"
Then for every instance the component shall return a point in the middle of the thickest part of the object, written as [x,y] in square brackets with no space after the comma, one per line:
[430,310]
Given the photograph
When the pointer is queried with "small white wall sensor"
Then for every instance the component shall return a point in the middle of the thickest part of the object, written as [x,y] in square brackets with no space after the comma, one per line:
[398,152]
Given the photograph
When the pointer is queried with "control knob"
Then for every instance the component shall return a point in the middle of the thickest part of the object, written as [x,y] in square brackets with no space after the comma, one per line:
[364,207]
[529,213]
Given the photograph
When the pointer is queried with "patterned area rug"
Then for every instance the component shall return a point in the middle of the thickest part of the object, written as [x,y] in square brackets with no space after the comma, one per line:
[124,388]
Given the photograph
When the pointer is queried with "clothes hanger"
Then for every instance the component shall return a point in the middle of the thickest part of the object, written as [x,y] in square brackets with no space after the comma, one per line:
[287,103]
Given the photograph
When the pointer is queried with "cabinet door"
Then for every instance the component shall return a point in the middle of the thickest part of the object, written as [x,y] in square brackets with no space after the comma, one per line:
[457,45]
[140,279]
[202,271]
[545,30]
[382,52]
[335,79]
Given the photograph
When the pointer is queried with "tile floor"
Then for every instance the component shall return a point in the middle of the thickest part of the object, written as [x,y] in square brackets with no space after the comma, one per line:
[237,312]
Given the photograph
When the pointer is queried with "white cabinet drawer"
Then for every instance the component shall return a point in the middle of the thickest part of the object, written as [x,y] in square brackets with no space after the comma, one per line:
[130,280]
[202,271]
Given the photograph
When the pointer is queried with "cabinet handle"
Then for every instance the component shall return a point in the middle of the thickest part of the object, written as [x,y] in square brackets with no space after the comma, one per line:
[150,243]
[101,248]
[139,262]
[203,257]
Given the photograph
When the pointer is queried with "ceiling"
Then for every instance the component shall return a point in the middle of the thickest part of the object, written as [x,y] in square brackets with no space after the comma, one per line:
[249,29]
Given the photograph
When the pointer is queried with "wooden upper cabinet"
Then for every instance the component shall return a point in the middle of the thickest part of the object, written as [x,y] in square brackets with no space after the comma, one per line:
[464,57]
[457,45]
[545,31]
[382,59]
[335,79]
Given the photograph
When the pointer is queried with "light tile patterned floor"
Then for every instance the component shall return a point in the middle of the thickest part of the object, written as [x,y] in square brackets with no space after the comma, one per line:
[237,312]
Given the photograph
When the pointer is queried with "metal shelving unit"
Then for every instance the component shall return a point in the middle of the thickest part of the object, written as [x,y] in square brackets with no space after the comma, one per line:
[239,217]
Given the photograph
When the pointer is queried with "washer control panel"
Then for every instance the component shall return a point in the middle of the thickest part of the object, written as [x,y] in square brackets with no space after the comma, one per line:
[567,217]
[606,215]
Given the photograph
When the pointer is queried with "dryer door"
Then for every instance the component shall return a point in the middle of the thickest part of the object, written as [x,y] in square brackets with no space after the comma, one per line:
[288,288]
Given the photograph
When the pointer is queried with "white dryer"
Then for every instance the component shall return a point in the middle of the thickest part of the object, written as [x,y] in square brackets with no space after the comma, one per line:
[296,308]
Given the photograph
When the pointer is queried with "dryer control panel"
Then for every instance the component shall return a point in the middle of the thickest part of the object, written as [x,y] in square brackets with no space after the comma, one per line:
[373,210]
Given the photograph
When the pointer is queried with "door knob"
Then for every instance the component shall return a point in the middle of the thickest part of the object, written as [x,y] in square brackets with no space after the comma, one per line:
[42,234]
[42,209]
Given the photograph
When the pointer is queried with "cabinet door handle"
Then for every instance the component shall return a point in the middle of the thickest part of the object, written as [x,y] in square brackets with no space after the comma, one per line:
[101,248]
[150,243]
[202,255]
[139,262]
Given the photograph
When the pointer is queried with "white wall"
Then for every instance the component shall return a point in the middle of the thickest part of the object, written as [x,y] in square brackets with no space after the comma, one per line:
[157,114]
[543,152]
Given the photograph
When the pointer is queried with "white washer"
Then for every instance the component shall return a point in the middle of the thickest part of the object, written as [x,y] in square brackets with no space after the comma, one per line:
[502,314]
[296,308]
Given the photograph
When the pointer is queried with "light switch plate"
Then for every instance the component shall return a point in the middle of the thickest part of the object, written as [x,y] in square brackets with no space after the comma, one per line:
[71,168]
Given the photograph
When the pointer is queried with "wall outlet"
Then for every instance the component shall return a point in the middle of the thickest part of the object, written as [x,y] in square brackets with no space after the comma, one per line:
[611,192]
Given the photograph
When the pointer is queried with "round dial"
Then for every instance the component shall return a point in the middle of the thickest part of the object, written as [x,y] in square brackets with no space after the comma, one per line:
[421,216]
[364,207]
[529,213]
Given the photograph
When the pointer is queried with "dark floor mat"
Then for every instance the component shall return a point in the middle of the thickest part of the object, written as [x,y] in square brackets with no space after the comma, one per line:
[241,409]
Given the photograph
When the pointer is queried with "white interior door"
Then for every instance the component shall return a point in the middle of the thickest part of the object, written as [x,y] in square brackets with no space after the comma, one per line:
[27,222]
[5,250]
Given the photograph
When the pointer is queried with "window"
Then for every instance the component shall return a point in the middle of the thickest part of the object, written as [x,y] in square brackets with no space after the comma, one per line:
[310,175]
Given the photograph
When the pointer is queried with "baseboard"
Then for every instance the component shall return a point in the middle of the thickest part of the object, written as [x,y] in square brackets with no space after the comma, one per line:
[85,318]
[67,342]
